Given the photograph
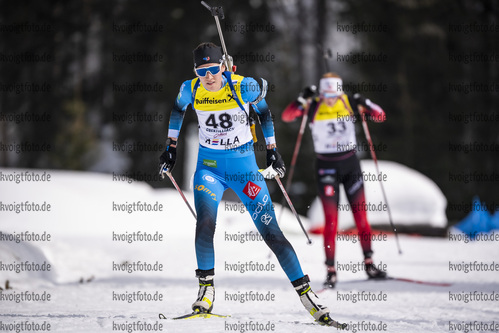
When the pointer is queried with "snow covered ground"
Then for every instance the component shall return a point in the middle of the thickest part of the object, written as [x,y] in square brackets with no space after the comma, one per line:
[82,224]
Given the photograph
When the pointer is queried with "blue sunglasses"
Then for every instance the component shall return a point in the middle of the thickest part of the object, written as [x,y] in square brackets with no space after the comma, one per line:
[331,95]
[214,70]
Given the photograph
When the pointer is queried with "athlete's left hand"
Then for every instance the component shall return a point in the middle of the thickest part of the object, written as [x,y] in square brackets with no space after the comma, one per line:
[275,159]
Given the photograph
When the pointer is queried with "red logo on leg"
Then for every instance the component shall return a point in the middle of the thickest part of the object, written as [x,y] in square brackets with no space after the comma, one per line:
[251,190]
[329,190]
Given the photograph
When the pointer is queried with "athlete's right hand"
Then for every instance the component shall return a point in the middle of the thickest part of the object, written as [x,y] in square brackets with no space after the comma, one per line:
[168,158]
[308,92]
[297,108]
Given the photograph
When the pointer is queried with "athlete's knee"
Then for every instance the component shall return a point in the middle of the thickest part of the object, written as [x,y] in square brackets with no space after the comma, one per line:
[205,225]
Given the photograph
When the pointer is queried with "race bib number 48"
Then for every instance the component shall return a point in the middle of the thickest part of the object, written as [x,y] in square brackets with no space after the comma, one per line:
[223,129]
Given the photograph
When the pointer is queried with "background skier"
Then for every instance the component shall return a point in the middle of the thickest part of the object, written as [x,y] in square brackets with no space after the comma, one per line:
[332,122]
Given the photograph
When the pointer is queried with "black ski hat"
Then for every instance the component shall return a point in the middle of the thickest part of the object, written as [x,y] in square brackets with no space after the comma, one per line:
[207,53]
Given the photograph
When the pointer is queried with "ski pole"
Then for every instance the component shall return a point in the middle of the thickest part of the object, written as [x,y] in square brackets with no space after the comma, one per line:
[326,54]
[270,173]
[373,155]
[295,156]
[218,12]
[162,172]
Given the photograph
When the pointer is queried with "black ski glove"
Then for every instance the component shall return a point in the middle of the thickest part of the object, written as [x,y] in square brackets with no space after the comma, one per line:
[308,92]
[275,159]
[169,156]
[359,99]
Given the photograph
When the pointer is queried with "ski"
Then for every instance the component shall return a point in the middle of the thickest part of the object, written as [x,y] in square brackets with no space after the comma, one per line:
[332,323]
[428,283]
[391,278]
[195,315]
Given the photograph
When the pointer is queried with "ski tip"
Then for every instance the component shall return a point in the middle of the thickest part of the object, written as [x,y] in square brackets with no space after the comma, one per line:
[342,326]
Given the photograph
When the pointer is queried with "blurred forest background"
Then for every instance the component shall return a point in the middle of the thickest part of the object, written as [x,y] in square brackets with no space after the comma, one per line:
[78,49]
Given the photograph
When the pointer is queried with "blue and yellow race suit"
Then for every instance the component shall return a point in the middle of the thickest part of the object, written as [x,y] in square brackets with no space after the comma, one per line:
[226,159]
